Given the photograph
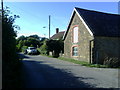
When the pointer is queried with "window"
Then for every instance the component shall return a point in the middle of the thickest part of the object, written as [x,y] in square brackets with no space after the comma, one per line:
[75,51]
[75,34]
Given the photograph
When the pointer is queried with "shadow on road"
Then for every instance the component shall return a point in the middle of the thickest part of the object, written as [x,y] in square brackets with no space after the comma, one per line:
[36,74]
[22,56]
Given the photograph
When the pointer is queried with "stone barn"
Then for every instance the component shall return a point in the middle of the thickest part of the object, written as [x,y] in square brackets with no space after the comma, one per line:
[93,37]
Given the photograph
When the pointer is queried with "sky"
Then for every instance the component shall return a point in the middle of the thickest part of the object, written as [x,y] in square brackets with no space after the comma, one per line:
[35,15]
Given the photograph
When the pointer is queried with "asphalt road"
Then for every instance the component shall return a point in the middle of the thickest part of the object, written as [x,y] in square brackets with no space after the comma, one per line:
[44,72]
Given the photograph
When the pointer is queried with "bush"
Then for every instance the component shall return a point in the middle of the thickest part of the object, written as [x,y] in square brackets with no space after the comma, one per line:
[24,48]
[10,61]
[55,46]
[112,62]
[43,49]
[30,41]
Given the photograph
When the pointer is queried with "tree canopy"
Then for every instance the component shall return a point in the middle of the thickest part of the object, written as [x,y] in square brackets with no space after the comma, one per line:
[35,36]
[32,40]
[10,61]
[56,46]
[9,34]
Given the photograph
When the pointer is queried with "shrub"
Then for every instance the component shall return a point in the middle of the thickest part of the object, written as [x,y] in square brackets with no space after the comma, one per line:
[43,49]
[55,46]
[10,61]
[112,62]
[24,48]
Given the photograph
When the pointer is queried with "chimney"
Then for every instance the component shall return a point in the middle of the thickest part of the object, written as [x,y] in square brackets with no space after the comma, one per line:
[57,30]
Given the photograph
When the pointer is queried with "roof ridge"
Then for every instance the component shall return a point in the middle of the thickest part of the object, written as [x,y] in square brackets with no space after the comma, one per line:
[96,11]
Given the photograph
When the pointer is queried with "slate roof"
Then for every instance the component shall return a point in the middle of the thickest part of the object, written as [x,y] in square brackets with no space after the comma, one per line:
[59,35]
[100,24]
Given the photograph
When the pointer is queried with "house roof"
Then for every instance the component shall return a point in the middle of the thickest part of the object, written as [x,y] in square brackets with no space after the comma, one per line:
[58,35]
[99,23]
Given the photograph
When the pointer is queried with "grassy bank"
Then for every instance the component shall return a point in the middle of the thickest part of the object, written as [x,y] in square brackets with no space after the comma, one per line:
[83,63]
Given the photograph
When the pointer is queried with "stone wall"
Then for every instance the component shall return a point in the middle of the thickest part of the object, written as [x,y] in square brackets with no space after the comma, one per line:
[83,41]
[106,48]
[102,50]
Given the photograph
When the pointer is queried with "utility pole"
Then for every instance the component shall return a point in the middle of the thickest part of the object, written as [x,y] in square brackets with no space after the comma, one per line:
[49,26]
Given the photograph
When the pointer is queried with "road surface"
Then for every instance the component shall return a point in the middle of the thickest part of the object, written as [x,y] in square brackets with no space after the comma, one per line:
[44,72]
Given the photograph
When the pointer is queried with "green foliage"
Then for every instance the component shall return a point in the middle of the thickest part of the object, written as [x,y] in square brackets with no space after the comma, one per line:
[10,61]
[43,39]
[19,46]
[43,49]
[83,63]
[56,46]
[24,48]
[30,41]
[21,38]
[35,36]
[8,36]
[113,62]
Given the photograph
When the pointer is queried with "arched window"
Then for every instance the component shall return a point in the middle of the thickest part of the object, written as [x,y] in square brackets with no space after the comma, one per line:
[75,51]
[75,34]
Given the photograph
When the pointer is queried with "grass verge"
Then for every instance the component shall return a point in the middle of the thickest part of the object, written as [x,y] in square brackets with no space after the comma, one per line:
[83,63]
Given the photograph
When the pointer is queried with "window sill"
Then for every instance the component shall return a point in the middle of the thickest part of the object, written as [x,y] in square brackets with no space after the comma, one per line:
[74,56]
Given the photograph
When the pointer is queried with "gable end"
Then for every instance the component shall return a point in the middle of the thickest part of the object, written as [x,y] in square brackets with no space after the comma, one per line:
[72,16]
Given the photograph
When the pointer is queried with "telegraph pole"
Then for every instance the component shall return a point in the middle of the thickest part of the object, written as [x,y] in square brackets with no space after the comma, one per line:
[49,26]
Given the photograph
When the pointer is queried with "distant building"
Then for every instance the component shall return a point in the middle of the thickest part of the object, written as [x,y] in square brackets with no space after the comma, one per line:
[93,37]
[58,35]
[57,43]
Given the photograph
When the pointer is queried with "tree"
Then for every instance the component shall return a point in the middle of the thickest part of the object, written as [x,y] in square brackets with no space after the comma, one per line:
[10,62]
[32,40]
[43,48]
[20,38]
[56,46]
[35,36]
[8,35]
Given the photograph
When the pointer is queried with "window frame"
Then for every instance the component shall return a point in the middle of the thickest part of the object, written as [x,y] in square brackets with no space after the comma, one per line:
[75,39]
[72,51]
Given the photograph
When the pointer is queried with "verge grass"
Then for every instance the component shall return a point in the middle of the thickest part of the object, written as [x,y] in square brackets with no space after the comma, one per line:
[83,63]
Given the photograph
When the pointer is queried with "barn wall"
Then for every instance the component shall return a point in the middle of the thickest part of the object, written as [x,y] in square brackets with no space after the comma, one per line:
[106,49]
[83,41]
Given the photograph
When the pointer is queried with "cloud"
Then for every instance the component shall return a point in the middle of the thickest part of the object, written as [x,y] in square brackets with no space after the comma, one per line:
[31,33]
